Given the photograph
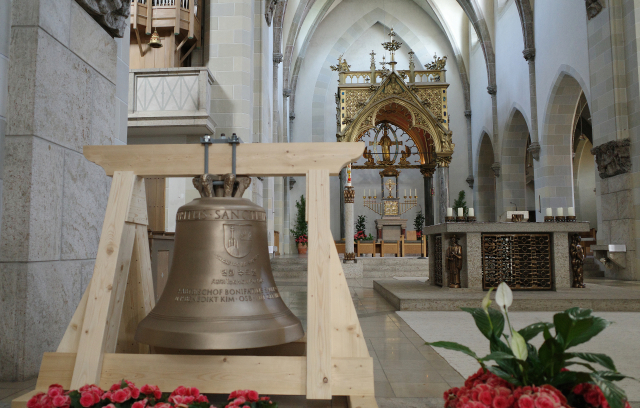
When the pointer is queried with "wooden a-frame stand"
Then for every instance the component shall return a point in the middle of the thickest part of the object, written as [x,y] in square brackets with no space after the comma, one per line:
[98,346]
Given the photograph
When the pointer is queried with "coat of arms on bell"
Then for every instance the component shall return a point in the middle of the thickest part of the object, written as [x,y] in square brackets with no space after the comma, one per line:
[220,293]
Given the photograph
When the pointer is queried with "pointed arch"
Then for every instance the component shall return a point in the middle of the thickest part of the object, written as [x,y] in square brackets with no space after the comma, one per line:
[486,180]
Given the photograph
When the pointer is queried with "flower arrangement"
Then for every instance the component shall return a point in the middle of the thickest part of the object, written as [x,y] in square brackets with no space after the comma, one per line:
[418,223]
[361,229]
[300,227]
[302,239]
[542,375]
[126,395]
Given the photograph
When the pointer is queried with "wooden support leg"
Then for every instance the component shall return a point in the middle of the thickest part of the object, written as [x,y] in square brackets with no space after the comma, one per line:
[104,304]
[366,401]
[319,287]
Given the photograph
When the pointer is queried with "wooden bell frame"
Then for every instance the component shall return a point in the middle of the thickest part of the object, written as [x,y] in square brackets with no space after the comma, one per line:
[98,346]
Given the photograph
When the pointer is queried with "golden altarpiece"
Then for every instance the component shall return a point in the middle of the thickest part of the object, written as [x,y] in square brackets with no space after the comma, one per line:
[402,117]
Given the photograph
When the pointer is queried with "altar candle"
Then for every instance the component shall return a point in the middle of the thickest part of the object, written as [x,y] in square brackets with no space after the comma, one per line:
[471,212]
[405,192]
[349,175]
[369,193]
[460,214]
[549,213]
[560,212]
[449,212]
[374,193]
[571,212]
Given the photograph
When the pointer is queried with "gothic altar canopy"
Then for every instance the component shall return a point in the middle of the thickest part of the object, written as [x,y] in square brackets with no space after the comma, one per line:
[401,115]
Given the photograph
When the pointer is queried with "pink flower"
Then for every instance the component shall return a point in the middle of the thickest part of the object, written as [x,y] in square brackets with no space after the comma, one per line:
[239,401]
[61,401]
[140,404]
[525,402]
[55,390]
[162,405]
[120,395]
[500,402]
[151,390]
[236,394]
[252,396]
[593,397]
[544,402]
[87,399]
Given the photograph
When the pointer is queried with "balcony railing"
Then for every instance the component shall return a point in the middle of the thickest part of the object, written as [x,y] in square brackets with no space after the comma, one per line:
[163,99]
[416,77]
[181,15]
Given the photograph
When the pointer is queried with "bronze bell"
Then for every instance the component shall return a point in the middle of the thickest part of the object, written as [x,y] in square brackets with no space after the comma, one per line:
[220,293]
[155,40]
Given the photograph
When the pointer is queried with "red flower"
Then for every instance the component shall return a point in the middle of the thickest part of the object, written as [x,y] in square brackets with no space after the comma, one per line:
[252,396]
[544,402]
[593,397]
[120,395]
[55,390]
[87,399]
[151,390]
[61,401]
[140,404]
[501,402]
[525,402]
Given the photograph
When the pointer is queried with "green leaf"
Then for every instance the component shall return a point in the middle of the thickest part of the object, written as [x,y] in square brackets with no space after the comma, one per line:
[615,395]
[614,376]
[497,356]
[450,345]
[570,377]
[576,326]
[533,330]
[519,346]
[487,324]
[597,358]
[503,374]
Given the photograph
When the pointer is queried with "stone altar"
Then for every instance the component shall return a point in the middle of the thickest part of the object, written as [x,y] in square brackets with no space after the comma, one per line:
[391,229]
[470,237]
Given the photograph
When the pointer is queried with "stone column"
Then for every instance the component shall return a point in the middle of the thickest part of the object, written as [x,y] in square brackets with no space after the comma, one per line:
[63,93]
[427,177]
[231,61]
[469,180]
[342,205]
[530,56]
[443,179]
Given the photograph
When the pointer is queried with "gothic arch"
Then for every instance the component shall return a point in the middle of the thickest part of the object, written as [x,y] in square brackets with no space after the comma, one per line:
[513,172]
[486,180]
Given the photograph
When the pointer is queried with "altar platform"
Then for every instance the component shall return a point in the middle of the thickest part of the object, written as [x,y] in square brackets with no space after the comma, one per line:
[599,295]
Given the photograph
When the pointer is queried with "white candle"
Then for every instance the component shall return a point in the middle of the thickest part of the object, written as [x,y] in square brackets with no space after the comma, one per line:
[449,212]
[460,214]
[374,192]
[571,212]
[369,192]
[549,212]
[560,212]
[405,192]
[472,212]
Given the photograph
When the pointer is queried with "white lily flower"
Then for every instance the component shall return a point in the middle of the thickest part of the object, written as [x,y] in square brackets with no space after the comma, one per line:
[519,346]
[486,302]
[504,296]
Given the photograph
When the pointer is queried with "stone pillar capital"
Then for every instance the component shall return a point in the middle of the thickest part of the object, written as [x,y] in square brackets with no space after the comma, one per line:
[529,54]
[467,113]
[534,149]
[277,57]
[492,89]
[427,171]
[349,194]
[496,168]
[470,181]
[443,161]
[594,7]
[286,92]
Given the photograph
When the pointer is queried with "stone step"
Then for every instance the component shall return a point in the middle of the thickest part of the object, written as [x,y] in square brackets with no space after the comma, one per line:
[289,274]
[592,268]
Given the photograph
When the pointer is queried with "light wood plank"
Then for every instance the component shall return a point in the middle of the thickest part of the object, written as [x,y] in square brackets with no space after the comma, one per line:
[362,401]
[213,374]
[192,19]
[255,159]
[21,401]
[176,29]
[134,16]
[347,339]
[138,299]
[71,338]
[319,381]
[187,53]
[138,208]
[149,26]
[102,305]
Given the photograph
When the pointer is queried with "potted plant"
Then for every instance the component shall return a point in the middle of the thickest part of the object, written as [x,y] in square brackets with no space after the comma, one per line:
[361,230]
[524,376]
[460,203]
[299,230]
[418,223]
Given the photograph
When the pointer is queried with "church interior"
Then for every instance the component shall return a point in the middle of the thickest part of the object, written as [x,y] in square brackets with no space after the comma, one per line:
[314,193]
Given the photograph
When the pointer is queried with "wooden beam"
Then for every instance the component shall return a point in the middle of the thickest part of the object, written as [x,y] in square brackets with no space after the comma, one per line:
[71,338]
[213,374]
[138,208]
[176,27]
[139,42]
[192,18]
[361,401]
[149,26]
[104,305]
[347,339]
[255,159]
[134,15]
[188,52]
[319,325]
[184,40]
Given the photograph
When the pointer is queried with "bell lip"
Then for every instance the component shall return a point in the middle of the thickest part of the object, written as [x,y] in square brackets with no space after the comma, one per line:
[226,340]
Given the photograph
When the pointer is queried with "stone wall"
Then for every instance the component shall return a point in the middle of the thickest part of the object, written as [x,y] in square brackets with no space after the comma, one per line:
[67,88]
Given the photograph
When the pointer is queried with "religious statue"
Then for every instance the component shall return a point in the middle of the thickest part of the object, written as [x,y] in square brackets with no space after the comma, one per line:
[390,185]
[454,262]
[577,262]
[438,64]
[367,155]
[342,65]
[405,155]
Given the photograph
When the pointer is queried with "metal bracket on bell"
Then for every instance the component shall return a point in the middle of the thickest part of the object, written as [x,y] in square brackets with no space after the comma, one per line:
[224,186]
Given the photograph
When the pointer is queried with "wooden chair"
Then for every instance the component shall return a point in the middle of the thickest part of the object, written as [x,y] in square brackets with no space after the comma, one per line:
[414,246]
[390,247]
[366,247]
[412,236]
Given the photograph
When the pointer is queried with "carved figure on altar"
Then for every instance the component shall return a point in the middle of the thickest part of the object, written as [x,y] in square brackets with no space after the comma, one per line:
[577,262]
[385,143]
[454,262]
[405,155]
[390,185]
[367,155]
